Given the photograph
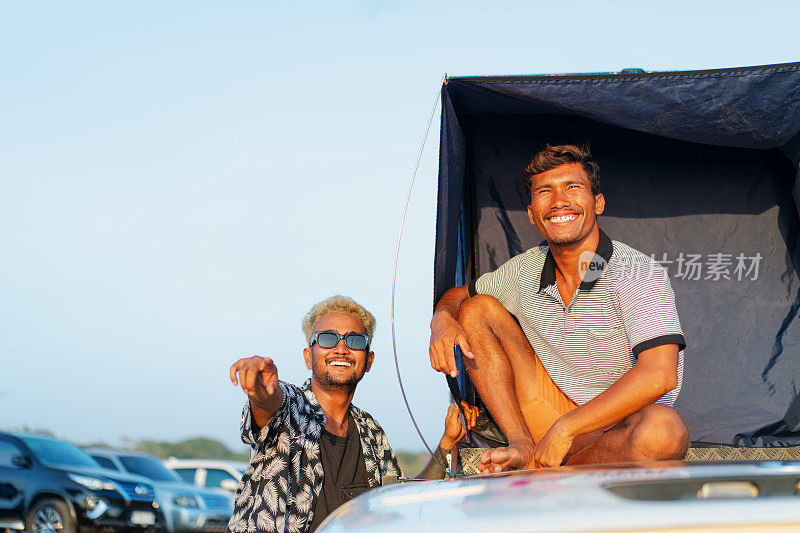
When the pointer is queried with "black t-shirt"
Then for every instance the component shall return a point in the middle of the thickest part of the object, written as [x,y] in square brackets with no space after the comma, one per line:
[345,473]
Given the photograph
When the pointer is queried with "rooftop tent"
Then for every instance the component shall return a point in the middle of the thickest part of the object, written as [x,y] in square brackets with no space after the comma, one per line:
[700,169]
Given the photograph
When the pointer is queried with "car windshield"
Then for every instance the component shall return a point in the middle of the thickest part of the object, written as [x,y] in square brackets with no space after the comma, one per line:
[149,467]
[56,452]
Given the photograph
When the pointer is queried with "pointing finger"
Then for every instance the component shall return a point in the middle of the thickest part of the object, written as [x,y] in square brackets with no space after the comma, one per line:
[234,368]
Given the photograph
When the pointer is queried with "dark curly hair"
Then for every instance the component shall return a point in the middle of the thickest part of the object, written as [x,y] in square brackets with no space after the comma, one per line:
[555,156]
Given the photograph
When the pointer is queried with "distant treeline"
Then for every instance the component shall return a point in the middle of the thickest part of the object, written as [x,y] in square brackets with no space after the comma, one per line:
[412,463]
[196,448]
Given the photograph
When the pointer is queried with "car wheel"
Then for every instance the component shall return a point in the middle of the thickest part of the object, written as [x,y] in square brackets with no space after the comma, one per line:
[50,516]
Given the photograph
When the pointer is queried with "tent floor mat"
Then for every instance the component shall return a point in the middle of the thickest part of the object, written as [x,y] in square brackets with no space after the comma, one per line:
[469,458]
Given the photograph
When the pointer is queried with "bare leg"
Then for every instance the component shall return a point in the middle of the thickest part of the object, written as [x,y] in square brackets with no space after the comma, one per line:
[525,402]
[505,372]
[654,433]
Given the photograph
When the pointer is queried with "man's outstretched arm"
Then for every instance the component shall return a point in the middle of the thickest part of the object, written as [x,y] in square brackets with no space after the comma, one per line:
[258,377]
[654,374]
[446,332]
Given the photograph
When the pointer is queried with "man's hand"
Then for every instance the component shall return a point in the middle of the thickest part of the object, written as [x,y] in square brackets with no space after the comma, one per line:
[258,377]
[654,374]
[453,429]
[554,446]
[446,332]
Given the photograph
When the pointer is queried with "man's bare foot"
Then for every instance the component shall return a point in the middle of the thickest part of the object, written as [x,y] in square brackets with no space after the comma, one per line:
[515,456]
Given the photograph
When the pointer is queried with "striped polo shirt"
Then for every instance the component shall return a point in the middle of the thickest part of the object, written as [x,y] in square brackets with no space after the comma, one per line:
[589,344]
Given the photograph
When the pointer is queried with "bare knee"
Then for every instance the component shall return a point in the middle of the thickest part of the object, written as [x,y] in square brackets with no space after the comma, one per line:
[479,309]
[658,432]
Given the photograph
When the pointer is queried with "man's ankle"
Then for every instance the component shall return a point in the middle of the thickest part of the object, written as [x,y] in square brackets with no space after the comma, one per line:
[521,440]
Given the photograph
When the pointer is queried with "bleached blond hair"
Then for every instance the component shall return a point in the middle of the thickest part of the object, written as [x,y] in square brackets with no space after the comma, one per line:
[337,304]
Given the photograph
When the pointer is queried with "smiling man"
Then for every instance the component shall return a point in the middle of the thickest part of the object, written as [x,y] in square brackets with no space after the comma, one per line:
[311,448]
[575,347]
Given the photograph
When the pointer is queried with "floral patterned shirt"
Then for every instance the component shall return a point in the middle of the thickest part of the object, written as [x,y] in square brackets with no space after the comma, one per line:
[284,479]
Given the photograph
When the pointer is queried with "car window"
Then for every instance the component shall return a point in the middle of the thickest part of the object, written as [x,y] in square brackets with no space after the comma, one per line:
[215,476]
[7,451]
[105,462]
[149,467]
[56,452]
[187,474]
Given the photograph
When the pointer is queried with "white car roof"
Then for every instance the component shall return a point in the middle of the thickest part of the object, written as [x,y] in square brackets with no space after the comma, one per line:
[660,496]
[204,463]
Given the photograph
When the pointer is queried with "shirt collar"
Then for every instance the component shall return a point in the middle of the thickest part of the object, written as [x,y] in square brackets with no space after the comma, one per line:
[358,414]
[309,393]
[548,277]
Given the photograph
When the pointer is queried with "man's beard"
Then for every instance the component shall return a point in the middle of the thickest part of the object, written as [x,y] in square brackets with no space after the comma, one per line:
[346,385]
[563,240]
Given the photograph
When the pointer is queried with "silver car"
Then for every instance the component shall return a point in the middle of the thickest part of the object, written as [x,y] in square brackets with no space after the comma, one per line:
[209,473]
[186,508]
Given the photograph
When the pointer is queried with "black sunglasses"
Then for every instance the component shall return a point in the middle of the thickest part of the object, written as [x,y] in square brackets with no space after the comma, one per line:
[329,339]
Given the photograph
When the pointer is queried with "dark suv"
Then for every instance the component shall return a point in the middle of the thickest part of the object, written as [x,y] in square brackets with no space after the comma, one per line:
[48,485]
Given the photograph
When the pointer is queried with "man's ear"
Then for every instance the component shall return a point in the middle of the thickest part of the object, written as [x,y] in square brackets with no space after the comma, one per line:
[370,359]
[530,215]
[599,204]
[307,357]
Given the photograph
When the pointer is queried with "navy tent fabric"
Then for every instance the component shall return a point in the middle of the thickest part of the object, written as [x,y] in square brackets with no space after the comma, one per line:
[700,169]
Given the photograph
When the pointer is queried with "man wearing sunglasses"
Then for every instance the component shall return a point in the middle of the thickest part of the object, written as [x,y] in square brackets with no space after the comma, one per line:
[311,448]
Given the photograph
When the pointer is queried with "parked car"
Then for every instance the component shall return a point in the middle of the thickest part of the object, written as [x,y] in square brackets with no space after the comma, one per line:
[185,507]
[48,485]
[209,473]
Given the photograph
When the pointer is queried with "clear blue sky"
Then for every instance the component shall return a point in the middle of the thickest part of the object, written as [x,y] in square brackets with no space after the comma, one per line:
[180,181]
